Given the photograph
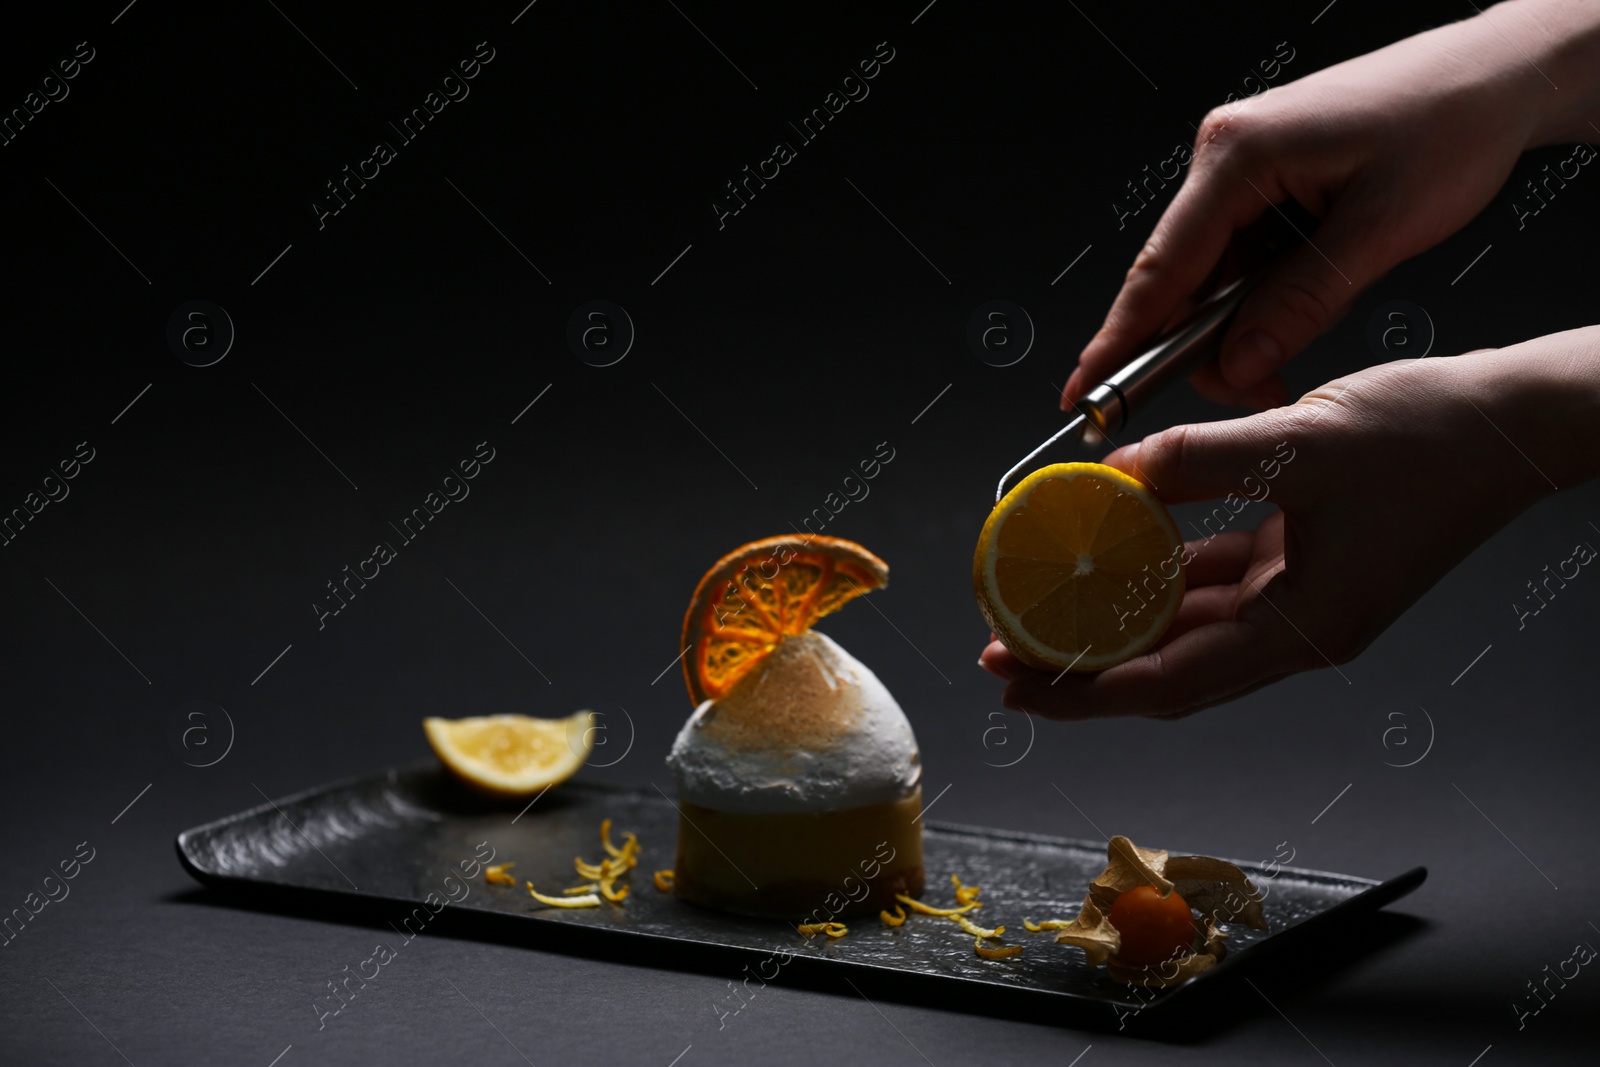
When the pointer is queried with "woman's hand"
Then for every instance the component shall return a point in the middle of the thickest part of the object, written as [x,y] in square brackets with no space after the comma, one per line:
[1392,151]
[1385,480]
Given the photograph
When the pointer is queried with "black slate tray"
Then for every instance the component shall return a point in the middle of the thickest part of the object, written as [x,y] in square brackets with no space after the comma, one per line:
[375,848]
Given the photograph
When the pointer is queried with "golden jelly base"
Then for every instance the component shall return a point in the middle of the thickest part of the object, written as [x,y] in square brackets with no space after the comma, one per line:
[800,866]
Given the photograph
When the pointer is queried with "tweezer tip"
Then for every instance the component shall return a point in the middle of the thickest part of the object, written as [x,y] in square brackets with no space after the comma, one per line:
[1075,424]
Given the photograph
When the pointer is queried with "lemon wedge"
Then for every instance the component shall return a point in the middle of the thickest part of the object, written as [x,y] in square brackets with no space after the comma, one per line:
[512,755]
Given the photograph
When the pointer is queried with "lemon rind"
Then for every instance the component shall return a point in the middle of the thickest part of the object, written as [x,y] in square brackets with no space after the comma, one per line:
[1009,628]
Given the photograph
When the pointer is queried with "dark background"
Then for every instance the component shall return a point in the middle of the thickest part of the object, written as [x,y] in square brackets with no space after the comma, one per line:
[797,338]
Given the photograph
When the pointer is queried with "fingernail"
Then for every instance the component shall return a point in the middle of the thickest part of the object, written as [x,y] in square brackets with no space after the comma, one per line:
[1069,391]
[1127,458]
[1254,356]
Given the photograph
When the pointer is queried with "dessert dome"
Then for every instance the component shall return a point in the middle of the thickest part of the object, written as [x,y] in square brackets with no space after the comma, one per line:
[798,774]
[810,727]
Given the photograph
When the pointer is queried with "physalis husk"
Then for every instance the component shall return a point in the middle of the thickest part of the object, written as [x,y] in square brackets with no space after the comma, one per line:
[1217,889]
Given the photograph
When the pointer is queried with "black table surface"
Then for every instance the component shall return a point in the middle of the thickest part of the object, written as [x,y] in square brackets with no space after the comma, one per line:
[180,581]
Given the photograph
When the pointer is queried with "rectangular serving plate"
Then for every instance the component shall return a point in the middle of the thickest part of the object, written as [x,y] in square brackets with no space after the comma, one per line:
[398,848]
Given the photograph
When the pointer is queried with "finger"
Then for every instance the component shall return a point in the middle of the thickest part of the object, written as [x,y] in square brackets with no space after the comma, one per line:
[1304,293]
[1211,595]
[998,660]
[1207,604]
[1183,248]
[1211,576]
[1219,559]
[1208,460]
[1209,383]
[1207,665]
[1201,605]
[1215,567]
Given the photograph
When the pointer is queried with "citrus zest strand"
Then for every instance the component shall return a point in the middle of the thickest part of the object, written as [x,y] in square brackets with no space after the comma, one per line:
[995,953]
[834,930]
[974,929]
[965,894]
[587,901]
[967,901]
[928,909]
[605,839]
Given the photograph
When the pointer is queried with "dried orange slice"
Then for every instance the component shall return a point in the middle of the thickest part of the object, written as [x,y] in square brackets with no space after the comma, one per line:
[762,592]
[1079,567]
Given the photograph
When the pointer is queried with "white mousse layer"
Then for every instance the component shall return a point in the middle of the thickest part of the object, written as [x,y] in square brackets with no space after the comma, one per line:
[809,729]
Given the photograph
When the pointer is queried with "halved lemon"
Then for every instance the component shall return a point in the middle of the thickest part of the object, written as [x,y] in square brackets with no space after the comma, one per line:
[1078,567]
[512,755]
[762,592]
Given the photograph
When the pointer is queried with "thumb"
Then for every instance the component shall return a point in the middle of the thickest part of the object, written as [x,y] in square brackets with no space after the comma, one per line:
[1210,460]
[1302,296]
